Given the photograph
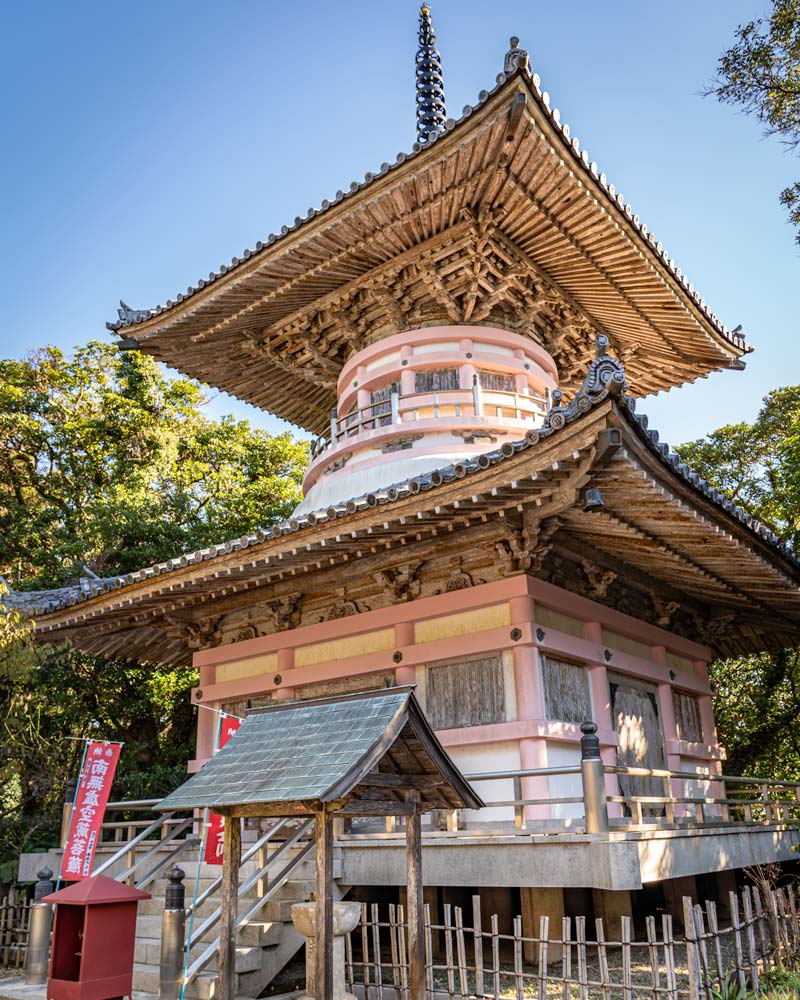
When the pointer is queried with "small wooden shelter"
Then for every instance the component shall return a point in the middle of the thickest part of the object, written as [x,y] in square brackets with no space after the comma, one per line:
[369,754]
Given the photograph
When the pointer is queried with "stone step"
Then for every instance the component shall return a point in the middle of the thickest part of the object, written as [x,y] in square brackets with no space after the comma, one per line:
[249,958]
[204,987]
[155,906]
[296,890]
[278,909]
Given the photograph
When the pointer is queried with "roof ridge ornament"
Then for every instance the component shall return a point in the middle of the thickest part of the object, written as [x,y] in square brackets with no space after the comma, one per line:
[605,377]
[128,315]
[516,57]
[431,111]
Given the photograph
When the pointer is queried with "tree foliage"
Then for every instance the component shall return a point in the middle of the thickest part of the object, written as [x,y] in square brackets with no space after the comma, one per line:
[107,464]
[761,75]
[757,706]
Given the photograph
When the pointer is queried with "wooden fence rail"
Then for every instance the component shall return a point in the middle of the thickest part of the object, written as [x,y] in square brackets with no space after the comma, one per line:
[15,915]
[577,960]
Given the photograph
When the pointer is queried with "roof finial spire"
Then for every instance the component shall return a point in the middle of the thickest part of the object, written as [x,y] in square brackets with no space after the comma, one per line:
[431,111]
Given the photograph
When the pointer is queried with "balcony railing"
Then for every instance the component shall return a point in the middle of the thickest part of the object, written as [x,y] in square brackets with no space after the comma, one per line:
[741,802]
[494,404]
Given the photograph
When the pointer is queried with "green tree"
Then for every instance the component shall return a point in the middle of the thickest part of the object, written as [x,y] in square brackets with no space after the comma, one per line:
[757,465]
[107,464]
[760,74]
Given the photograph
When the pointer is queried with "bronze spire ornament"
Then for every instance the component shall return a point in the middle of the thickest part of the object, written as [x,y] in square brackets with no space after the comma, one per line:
[431,112]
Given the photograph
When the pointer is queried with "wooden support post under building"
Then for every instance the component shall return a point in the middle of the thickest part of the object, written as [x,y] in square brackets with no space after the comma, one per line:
[323,978]
[229,906]
[416,911]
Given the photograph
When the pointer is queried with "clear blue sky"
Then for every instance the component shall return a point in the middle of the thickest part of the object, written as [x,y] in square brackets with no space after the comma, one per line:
[146,143]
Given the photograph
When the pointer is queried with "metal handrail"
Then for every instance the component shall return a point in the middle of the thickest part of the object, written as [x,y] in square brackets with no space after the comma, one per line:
[155,825]
[248,884]
[211,889]
[205,957]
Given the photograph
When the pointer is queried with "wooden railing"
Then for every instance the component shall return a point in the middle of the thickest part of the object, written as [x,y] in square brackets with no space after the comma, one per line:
[741,800]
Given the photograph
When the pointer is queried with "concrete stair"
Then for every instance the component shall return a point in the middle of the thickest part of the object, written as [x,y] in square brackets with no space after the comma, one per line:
[264,947]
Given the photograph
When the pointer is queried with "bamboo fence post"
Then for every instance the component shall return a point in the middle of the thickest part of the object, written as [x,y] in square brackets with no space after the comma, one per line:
[365,948]
[783,922]
[793,912]
[737,939]
[401,948]
[566,957]
[428,948]
[544,934]
[519,982]
[627,973]
[394,950]
[461,952]
[763,931]
[495,958]
[448,949]
[669,956]
[376,950]
[692,951]
[4,911]
[713,926]
[700,931]
[477,932]
[751,938]
[580,935]
[776,931]
[652,941]
[602,959]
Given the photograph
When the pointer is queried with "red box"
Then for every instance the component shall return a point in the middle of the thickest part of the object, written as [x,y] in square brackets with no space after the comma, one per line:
[94,933]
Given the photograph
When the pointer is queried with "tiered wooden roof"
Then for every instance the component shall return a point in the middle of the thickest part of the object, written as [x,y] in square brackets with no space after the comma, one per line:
[500,219]
[679,554]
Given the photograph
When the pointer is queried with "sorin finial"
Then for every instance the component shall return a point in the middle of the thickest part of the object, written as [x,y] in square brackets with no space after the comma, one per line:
[431,112]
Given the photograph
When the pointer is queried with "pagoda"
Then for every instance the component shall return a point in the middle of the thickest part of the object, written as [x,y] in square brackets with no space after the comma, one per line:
[466,331]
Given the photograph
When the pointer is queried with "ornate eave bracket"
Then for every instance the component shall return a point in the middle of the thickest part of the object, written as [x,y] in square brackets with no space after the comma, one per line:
[605,377]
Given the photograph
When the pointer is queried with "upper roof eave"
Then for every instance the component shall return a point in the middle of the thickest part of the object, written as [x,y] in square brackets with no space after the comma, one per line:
[142,327]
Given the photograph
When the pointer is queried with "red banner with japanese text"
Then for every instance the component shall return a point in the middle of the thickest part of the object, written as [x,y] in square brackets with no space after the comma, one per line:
[216,823]
[94,788]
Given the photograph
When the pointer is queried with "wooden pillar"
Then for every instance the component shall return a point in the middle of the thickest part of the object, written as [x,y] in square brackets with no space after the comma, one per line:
[229,906]
[416,912]
[324,917]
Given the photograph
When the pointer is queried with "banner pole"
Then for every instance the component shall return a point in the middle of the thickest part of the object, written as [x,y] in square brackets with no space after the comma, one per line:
[74,800]
[200,857]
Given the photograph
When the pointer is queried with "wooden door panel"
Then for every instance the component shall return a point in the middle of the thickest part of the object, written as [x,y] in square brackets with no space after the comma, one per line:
[634,708]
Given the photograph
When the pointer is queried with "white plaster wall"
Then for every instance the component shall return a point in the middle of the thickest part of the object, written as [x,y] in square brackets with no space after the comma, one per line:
[489,757]
[564,785]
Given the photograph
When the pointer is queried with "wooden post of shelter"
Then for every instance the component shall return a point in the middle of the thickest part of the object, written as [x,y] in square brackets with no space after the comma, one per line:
[323,968]
[229,898]
[416,910]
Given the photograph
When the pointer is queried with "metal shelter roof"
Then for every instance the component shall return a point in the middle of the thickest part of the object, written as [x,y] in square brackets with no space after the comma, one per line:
[370,746]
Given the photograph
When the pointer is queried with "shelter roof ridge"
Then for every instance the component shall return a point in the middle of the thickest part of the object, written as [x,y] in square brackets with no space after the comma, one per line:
[280,706]
[518,66]
[558,418]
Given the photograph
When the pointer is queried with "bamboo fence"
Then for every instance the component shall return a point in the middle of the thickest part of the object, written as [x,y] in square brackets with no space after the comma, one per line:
[15,915]
[577,961]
